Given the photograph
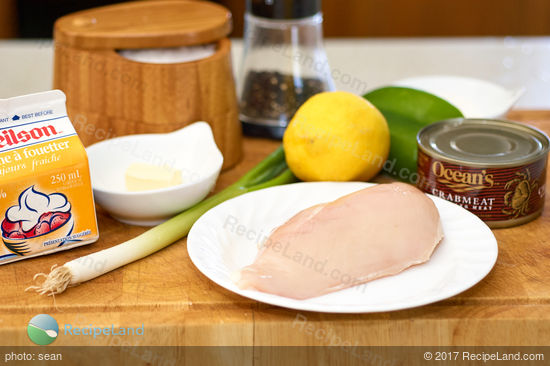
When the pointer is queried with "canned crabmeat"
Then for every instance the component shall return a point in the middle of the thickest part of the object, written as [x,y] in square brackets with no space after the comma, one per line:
[495,169]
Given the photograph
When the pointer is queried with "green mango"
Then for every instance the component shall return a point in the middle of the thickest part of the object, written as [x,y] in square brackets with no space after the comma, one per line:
[407,111]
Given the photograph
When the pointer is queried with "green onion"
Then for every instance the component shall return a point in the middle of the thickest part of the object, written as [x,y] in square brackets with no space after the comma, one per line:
[271,172]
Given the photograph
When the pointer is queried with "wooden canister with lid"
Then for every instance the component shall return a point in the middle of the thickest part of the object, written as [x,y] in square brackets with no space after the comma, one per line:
[109,95]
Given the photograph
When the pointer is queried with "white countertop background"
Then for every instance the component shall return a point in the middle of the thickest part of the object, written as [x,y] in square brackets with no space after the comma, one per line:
[514,62]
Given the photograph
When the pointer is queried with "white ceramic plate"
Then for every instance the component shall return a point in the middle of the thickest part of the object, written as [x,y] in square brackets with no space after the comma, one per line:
[475,98]
[225,239]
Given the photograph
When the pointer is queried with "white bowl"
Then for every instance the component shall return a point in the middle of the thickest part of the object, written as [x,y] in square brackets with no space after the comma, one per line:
[191,150]
[474,97]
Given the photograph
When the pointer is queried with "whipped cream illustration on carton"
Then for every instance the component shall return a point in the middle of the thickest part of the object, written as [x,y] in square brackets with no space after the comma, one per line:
[46,200]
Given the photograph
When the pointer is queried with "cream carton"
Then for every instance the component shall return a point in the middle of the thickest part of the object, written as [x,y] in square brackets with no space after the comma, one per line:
[46,199]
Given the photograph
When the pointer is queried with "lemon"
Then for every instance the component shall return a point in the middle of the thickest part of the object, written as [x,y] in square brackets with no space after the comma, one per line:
[336,136]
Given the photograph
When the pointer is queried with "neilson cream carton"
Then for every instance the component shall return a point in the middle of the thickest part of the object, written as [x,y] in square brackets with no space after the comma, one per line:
[46,199]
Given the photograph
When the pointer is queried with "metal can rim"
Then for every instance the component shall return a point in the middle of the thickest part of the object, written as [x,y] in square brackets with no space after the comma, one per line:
[535,132]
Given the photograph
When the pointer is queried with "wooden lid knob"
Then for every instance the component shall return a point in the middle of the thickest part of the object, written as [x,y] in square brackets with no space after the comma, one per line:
[144,24]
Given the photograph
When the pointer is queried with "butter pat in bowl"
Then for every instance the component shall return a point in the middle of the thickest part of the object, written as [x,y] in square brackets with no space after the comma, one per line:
[146,179]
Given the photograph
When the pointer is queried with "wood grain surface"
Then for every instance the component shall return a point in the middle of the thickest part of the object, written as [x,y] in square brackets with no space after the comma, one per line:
[108,95]
[422,18]
[179,306]
[144,24]
[8,19]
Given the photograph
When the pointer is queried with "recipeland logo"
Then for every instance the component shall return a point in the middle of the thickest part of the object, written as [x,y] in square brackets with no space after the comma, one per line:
[43,329]
[93,331]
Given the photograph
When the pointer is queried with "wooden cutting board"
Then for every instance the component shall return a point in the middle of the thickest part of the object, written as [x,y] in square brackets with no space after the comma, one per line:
[179,306]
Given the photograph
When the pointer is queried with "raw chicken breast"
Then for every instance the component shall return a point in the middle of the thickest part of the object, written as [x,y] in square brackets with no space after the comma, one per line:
[375,232]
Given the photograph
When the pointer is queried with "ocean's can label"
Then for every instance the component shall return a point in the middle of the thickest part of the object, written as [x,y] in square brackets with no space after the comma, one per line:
[500,196]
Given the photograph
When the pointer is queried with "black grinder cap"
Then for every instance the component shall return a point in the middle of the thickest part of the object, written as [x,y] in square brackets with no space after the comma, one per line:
[283,9]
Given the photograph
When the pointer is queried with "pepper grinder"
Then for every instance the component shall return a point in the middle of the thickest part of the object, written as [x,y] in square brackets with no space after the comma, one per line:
[284,63]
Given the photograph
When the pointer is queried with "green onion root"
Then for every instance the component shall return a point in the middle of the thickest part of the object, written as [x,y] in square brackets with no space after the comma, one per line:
[272,171]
